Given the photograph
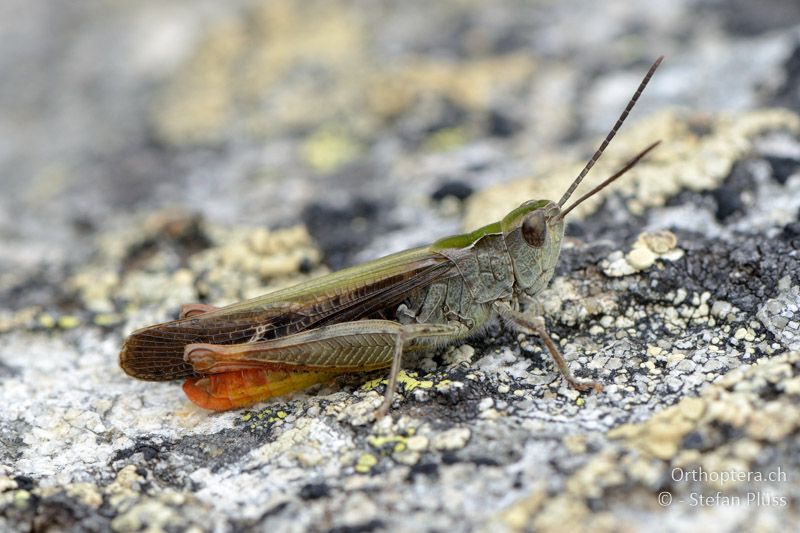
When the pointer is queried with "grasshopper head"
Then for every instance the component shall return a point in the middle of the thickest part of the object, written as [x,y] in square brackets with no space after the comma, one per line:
[533,234]
[533,231]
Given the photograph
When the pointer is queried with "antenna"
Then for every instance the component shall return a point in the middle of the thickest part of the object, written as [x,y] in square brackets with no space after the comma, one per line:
[611,134]
[629,165]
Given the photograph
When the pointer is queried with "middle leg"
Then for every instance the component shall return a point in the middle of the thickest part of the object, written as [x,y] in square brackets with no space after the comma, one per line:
[536,326]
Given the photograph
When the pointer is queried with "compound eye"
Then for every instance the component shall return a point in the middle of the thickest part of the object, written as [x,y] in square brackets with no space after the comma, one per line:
[534,229]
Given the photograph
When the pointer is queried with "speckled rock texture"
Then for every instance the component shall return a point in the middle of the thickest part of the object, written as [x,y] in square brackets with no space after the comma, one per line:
[158,153]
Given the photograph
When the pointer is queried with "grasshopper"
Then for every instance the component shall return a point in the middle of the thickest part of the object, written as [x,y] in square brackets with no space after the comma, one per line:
[365,317]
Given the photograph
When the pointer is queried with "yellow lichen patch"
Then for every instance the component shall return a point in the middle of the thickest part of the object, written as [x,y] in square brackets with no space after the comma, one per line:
[565,514]
[260,251]
[125,487]
[410,381]
[264,419]
[107,319]
[365,463]
[417,443]
[649,247]
[407,379]
[373,383]
[304,441]
[93,285]
[405,447]
[68,322]
[444,384]
[224,264]
[697,152]
[46,320]
[661,436]
[691,408]
[134,509]
[327,149]
[285,33]
[471,84]
[243,59]
[451,439]
[446,139]
[246,257]
[575,443]
[86,493]
[392,443]
[518,515]
[159,513]
[7,483]
[659,242]
[598,474]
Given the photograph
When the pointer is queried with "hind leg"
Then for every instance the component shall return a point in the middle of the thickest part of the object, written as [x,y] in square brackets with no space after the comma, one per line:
[357,346]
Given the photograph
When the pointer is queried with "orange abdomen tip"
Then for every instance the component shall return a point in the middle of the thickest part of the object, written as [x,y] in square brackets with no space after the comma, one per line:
[240,388]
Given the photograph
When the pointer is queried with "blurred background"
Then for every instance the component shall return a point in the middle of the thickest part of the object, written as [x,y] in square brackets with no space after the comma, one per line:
[353,117]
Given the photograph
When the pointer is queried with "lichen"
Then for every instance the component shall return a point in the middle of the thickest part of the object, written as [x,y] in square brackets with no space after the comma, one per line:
[686,159]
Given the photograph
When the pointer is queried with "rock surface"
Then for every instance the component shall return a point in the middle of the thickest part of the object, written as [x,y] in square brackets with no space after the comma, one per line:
[157,153]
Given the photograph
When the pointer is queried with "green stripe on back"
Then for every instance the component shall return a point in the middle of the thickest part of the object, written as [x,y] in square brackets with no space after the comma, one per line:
[466,240]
